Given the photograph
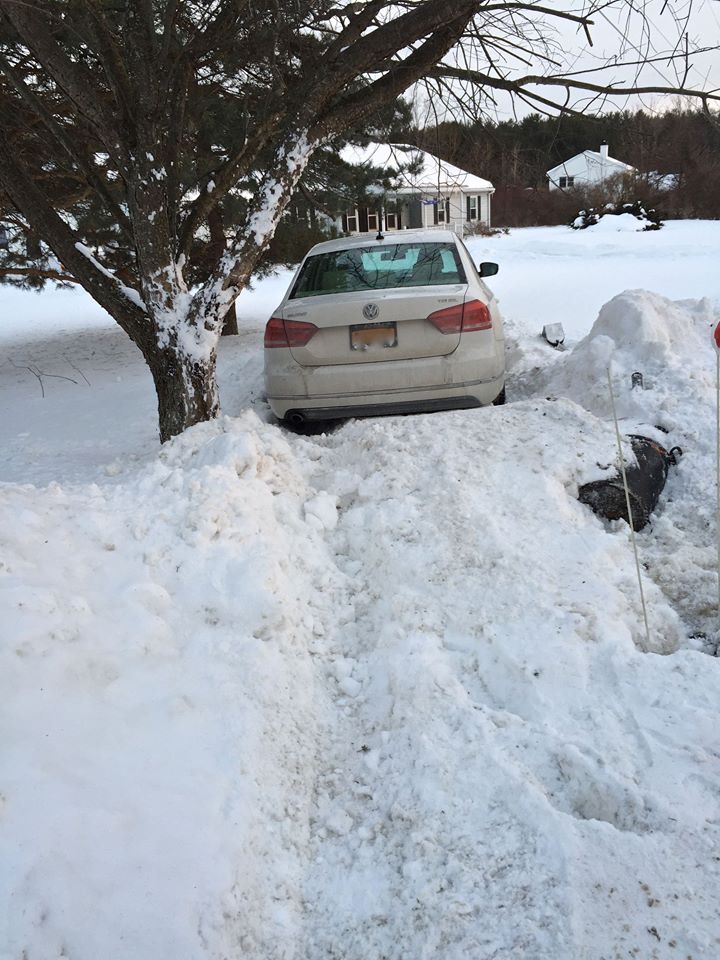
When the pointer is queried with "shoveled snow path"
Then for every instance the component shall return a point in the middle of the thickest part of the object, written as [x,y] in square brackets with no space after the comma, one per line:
[478,799]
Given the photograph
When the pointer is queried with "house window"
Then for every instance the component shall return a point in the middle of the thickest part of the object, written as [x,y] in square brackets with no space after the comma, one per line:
[393,219]
[372,221]
[471,210]
[567,182]
[349,222]
[441,211]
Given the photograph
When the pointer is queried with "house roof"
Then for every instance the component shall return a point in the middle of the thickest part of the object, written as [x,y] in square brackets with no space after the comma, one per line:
[593,156]
[434,175]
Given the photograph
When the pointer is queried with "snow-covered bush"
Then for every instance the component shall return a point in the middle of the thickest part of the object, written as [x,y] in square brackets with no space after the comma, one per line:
[585,218]
[647,215]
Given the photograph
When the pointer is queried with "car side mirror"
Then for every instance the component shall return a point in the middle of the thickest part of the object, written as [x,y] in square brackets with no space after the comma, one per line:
[488,269]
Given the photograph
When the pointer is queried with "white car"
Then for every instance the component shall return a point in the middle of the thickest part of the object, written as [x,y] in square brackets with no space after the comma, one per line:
[396,324]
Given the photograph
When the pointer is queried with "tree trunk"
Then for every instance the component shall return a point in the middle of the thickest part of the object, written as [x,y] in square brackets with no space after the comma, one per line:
[230,322]
[186,389]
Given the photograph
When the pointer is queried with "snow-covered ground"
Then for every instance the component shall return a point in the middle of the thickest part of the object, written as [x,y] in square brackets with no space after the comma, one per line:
[384,693]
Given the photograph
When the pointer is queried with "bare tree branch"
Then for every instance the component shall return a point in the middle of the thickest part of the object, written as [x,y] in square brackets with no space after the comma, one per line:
[520,84]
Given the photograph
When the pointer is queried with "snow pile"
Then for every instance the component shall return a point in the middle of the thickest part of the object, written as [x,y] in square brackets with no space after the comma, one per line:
[507,776]
[639,331]
[159,704]
[619,217]
[608,222]
[618,223]
[379,694]
[670,343]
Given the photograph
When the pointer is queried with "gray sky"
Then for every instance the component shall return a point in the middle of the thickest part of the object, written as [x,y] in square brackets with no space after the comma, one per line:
[615,33]
[621,34]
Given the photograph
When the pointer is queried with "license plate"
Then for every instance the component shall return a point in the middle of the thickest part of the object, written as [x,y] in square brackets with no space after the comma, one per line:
[373,336]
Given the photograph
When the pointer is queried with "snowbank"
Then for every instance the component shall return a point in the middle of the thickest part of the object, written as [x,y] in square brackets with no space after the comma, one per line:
[379,694]
[159,704]
[670,343]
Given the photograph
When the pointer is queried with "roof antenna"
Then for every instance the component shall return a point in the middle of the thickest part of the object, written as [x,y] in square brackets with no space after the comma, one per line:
[379,235]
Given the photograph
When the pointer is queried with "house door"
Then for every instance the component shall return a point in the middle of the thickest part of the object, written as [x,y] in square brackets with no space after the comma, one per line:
[414,214]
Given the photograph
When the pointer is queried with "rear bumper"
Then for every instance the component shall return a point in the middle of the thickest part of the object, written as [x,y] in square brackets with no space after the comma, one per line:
[446,397]
[467,378]
[382,409]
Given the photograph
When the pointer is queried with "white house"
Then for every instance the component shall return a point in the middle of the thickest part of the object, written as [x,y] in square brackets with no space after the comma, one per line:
[424,192]
[588,167]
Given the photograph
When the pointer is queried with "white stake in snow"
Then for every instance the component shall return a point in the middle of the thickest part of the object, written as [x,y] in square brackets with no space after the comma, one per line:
[716,340]
[629,508]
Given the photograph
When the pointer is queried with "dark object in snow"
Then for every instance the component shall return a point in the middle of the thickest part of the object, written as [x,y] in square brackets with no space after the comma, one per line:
[645,481]
[554,334]
[636,380]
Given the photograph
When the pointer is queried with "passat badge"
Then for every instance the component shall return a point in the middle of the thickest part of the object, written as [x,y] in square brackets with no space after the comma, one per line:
[371,311]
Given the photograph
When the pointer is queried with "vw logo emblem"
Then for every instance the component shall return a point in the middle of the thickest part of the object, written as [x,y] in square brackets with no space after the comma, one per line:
[371,311]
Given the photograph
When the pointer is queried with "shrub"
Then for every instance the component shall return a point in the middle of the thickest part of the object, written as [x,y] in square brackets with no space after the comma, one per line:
[585,218]
[589,217]
[481,229]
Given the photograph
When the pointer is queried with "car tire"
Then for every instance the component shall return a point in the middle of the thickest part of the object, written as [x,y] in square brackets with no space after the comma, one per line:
[499,399]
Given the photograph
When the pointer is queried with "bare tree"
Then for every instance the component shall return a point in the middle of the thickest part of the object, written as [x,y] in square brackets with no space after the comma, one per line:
[107,97]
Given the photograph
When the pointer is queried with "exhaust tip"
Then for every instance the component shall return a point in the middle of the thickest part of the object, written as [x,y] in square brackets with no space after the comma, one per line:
[295,419]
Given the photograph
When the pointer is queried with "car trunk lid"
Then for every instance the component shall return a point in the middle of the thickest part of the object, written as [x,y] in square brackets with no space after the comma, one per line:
[372,326]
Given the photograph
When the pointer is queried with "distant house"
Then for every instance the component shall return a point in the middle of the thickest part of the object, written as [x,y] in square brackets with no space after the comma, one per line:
[423,192]
[586,168]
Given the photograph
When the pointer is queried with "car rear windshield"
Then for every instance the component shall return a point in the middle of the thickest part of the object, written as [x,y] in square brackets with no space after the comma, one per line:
[379,267]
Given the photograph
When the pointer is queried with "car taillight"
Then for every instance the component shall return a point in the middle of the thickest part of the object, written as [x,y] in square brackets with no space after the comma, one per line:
[288,333]
[476,316]
[275,333]
[298,332]
[465,318]
[448,320]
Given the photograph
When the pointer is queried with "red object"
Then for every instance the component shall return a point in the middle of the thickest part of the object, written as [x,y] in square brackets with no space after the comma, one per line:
[716,335]
[448,320]
[275,333]
[474,315]
[288,333]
